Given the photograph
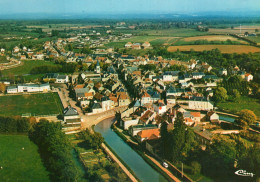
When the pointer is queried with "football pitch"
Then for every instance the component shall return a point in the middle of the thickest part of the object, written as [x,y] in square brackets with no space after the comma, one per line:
[33,104]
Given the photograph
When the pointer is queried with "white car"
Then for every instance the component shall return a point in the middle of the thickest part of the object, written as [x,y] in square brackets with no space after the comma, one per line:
[165,165]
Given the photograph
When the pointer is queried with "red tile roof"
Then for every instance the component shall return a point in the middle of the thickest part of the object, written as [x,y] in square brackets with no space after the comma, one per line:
[151,133]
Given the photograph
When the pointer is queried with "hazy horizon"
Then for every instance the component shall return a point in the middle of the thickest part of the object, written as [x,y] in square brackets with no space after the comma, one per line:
[99,7]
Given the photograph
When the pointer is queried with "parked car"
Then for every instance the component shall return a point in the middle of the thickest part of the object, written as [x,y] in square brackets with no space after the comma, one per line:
[165,165]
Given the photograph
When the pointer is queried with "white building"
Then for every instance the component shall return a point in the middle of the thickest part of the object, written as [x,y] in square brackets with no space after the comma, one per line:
[200,103]
[62,79]
[71,118]
[159,107]
[20,88]
[248,77]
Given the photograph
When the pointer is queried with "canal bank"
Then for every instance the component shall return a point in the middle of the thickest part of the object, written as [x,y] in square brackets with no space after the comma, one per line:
[138,165]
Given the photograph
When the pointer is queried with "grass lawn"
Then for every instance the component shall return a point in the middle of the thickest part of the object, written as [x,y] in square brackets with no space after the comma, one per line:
[36,104]
[26,68]
[20,165]
[243,103]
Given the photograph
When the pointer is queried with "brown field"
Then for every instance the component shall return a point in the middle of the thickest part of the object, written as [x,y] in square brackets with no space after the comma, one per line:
[230,31]
[223,48]
[214,38]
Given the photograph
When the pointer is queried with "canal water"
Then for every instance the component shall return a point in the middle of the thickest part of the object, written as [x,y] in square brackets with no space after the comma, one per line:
[142,170]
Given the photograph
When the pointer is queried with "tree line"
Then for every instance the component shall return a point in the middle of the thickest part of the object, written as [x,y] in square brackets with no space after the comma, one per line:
[55,150]
[64,68]
[15,124]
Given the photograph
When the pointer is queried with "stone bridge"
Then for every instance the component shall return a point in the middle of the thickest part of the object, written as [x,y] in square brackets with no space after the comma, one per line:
[93,119]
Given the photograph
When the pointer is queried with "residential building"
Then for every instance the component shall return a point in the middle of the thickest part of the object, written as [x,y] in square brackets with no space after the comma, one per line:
[149,134]
[200,103]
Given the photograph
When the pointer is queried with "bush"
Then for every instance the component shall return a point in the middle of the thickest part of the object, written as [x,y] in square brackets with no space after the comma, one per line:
[195,167]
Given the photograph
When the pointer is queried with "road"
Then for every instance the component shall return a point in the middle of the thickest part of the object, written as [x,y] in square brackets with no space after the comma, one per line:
[88,119]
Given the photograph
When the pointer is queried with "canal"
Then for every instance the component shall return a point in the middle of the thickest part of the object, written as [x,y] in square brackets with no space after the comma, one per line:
[141,169]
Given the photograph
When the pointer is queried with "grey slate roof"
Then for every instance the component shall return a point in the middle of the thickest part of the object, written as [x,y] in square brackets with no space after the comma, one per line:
[70,111]
[96,106]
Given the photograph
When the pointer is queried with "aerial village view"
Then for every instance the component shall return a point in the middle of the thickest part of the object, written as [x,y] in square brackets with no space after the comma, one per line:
[118,91]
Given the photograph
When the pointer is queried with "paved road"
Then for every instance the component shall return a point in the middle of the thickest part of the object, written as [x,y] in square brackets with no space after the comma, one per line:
[88,119]
[164,169]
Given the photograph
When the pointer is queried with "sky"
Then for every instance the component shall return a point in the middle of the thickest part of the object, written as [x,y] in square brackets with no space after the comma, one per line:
[126,6]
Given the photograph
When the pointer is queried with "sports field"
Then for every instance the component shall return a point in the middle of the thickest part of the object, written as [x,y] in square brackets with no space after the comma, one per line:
[223,48]
[20,164]
[36,104]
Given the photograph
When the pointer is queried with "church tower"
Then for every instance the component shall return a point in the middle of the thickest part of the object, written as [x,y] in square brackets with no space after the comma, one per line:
[97,67]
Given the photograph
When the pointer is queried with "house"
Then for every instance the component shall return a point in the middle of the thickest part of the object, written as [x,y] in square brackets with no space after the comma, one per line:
[136,46]
[212,117]
[123,99]
[197,75]
[171,99]
[192,64]
[170,76]
[147,117]
[16,49]
[146,45]
[20,88]
[223,71]
[146,98]
[207,67]
[62,79]
[128,121]
[23,57]
[203,136]
[248,77]
[200,103]
[148,134]
[196,116]
[133,130]
[159,107]
[71,118]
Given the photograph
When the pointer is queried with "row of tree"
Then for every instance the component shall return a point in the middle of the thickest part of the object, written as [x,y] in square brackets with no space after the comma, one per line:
[64,67]
[15,124]
[55,150]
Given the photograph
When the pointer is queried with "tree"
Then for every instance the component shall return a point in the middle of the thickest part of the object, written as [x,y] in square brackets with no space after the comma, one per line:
[195,167]
[2,87]
[246,117]
[220,94]
[236,94]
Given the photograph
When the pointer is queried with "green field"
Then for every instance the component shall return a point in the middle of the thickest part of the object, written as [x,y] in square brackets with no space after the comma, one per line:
[26,67]
[36,104]
[20,165]
[243,103]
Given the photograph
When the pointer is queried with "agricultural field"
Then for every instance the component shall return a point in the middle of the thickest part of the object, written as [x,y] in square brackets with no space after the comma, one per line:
[214,38]
[243,103]
[256,39]
[35,104]
[223,48]
[18,164]
[26,67]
